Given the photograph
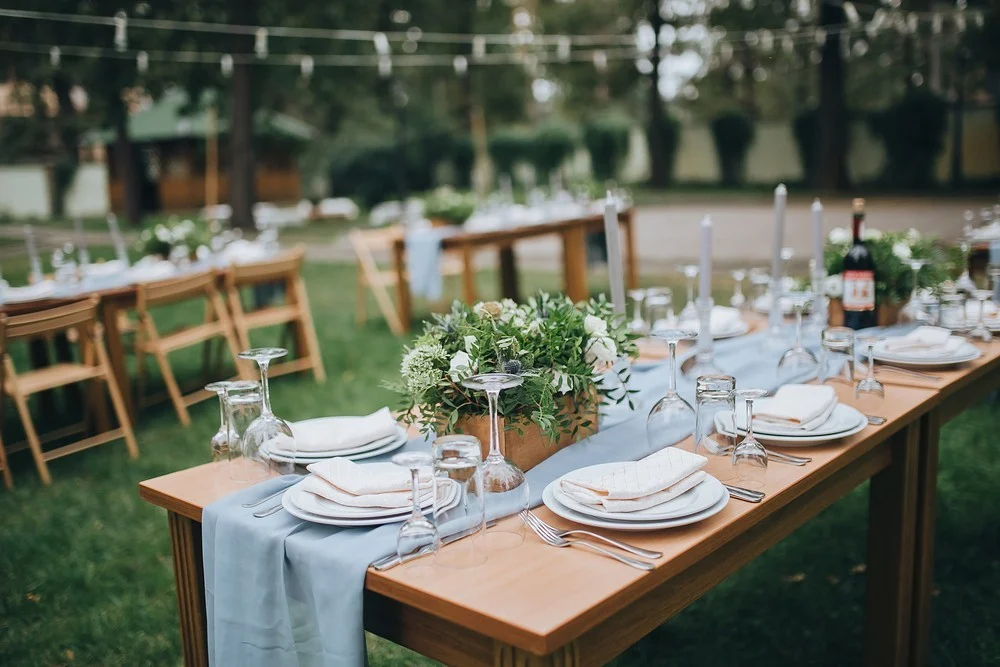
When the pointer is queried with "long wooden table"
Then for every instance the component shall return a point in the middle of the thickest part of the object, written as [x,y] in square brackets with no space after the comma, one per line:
[573,233]
[537,605]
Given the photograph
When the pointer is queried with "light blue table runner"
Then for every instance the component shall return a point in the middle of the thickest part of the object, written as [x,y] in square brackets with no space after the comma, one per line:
[423,261]
[284,592]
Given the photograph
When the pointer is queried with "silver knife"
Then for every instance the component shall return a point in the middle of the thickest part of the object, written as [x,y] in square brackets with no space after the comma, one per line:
[392,560]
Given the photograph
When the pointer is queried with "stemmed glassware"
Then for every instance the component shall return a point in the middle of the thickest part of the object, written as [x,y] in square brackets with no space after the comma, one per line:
[243,406]
[659,308]
[749,456]
[638,323]
[869,392]
[417,532]
[737,300]
[221,439]
[913,311]
[690,310]
[458,460]
[759,281]
[786,257]
[504,487]
[714,396]
[269,431]
[798,360]
[981,333]
[837,355]
[964,281]
[671,412]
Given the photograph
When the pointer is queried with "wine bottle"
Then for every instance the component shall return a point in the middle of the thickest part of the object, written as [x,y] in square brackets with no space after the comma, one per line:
[859,277]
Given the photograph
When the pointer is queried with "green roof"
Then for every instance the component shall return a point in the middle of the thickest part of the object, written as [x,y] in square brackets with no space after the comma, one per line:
[165,119]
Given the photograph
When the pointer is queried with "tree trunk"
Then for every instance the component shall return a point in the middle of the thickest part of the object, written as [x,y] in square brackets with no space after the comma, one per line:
[67,139]
[125,164]
[659,166]
[241,153]
[831,151]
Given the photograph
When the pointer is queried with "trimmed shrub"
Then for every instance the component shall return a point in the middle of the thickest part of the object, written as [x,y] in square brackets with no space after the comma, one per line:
[671,142]
[507,147]
[606,139]
[463,159]
[365,170]
[805,127]
[733,133]
[913,131]
[554,142]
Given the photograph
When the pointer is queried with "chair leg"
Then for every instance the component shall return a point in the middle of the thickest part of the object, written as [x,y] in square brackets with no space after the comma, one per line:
[307,332]
[122,413]
[176,397]
[361,301]
[8,479]
[33,442]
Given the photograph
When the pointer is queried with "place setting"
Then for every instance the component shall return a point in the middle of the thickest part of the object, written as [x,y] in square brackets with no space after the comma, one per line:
[348,437]
[925,346]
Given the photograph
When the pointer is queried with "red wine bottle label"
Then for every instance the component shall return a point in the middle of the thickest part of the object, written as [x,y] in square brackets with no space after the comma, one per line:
[859,290]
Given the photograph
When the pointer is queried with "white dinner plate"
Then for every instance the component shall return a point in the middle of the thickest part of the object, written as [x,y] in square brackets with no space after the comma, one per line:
[310,502]
[737,329]
[806,440]
[842,419]
[330,453]
[967,352]
[392,445]
[289,504]
[550,500]
[697,499]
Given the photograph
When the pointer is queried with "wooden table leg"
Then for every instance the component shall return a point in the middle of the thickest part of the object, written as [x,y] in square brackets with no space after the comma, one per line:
[892,508]
[189,577]
[116,354]
[508,273]
[404,307]
[923,580]
[631,267]
[575,262]
[468,276]
[510,656]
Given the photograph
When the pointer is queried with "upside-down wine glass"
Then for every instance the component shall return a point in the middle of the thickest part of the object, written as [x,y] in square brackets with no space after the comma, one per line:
[869,392]
[638,323]
[671,413]
[913,311]
[964,281]
[690,310]
[659,308]
[417,532]
[268,432]
[221,439]
[798,360]
[458,462]
[505,489]
[737,300]
[759,281]
[981,333]
[242,409]
[749,456]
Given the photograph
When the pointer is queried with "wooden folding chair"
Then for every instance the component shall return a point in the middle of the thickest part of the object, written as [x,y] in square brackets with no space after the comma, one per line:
[93,366]
[294,312]
[369,243]
[149,340]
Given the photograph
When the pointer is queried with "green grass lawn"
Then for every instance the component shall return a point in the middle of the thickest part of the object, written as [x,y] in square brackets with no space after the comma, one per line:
[86,574]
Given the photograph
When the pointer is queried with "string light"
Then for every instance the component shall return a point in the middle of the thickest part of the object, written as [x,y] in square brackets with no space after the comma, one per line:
[226,63]
[461,65]
[55,56]
[142,62]
[478,47]
[121,34]
[260,43]
[851,12]
[820,35]
[381,43]
[600,61]
[306,66]
[563,48]
[385,67]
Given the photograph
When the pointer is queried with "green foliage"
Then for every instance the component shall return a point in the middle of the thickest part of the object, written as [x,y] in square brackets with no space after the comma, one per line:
[449,205]
[913,132]
[557,346]
[463,159]
[671,142]
[507,147]
[806,130]
[20,138]
[164,237]
[366,170]
[607,138]
[553,143]
[733,133]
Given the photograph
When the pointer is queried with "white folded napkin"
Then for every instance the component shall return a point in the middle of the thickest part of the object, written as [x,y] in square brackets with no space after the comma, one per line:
[105,269]
[924,340]
[150,269]
[723,319]
[366,479]
[323,489]
[637,485]
[337,433]
[40,290]
[243,251]
[795,406]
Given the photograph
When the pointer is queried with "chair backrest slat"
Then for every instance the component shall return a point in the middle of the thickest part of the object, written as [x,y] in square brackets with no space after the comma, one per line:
[280,268]
[52,320]
[168,291]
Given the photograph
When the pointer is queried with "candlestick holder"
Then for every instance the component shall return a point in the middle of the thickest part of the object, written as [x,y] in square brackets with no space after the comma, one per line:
[705,347]
[775,315]
[818,316]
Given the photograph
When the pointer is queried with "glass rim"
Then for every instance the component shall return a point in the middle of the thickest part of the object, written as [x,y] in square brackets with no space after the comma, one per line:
[243,385]
[704,386]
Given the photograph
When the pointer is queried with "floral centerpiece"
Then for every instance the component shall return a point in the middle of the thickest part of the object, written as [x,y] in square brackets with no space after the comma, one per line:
[165,237]
[561,349]
[450,206]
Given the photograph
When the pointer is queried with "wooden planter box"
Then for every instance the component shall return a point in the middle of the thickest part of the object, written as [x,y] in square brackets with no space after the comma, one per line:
[532,446]
[888,313]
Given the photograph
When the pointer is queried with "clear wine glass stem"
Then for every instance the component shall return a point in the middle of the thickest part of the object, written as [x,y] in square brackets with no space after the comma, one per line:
[798,327]
[690,289]
[672,367]
[264,387]
[223,426]
[415,490]
[871,361]
[749,403]
[913,294]
[492,398]
[982,314]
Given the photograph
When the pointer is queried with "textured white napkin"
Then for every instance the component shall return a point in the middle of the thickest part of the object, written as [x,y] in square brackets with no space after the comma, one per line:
[336,433]
[588,497]
[723,320]
[366,479]
[635,480]
[924,340]
[322,488]
[802,406]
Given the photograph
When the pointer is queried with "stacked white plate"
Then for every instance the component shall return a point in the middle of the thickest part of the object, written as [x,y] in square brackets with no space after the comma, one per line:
[308,506]
[704,500]
[844,421]
[366,451]
[965,352]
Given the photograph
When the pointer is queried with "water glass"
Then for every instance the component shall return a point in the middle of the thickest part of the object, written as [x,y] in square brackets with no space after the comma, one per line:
[243,405]
[457,461]
[417,533]
[836,355]
[659,308]
[952,311]
[713,397]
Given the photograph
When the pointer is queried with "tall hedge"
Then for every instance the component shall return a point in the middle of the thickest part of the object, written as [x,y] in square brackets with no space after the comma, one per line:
[733,133]
[607,141]
[805,127]
[913,131]
[507,147]
[554,142]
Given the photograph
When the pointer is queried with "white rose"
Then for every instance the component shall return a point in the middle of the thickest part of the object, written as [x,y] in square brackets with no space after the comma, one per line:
[601,352]
[470,343]
[460,366]
[535,327]
[902,251]
[593,324]
[561,383]
[872,234]
[835,286]
[912,235]
[839,235]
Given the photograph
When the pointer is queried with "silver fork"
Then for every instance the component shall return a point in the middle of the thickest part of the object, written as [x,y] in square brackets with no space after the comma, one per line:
[638,551]
[780,457]
[550,538]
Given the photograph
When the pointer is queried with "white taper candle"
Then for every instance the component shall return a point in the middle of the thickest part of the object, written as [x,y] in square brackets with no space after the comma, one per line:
[705,266]
[817,220]
[780,195]
[616,274]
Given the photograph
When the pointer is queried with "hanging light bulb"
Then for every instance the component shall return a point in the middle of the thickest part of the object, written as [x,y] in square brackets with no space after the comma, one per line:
[644,66]
[409,46]
[912,23]
[851,12]
[478,46]
[121,31]
[226,63]
[752,39]
[414,33]
[917,78]
[260,42]
[381,43]
[306,66]
[725,52]
[803,8]
[55,56]
[563,48]
[461,65]
[860,48]
[385,66]
[766,41]
[960,22]
[820,35]
[788,44]
[142,62]
[600,61]
[759,74]
[937,23]
[736,71]
[791,26]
